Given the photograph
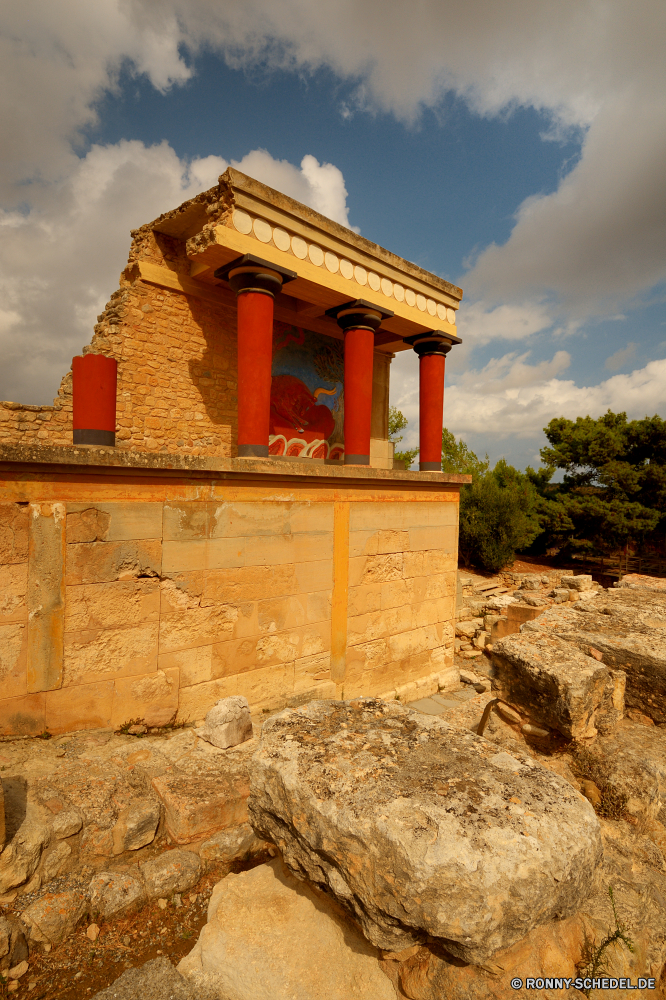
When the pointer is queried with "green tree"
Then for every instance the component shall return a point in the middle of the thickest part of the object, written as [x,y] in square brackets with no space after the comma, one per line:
[498,511]
[397,422]
[614,484]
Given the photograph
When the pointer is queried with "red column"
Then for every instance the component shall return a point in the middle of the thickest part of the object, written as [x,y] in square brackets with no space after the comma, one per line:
[94,383]
[256,283]
[359,320]
[255,355]
[432,347]
[431,417]
[359,356]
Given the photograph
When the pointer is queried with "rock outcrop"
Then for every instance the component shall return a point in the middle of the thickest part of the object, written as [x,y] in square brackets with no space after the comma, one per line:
[420,829]
[627,627]
[271,937]
[556,684]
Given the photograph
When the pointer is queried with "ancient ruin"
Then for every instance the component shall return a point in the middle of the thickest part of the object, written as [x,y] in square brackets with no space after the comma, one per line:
[259,738]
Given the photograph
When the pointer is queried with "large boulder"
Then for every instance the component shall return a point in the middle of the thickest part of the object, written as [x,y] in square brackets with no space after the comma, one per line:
[420,829]
[627,628]
[557,685]
[271,937]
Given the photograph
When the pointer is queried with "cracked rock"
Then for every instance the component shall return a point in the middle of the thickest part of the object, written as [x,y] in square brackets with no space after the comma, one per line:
[420,829]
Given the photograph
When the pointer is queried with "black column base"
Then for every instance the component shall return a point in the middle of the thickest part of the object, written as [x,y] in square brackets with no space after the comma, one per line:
[253,451]
[430,466]
[107,438]
[357,460]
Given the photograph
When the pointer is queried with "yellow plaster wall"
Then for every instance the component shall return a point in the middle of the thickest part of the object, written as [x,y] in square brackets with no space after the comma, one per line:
[181,591]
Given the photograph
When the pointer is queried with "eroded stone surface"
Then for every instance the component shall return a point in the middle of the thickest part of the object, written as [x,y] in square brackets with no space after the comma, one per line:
[115,894]
[556,684]
[228,723]
[174,871]
[270,937]
[628,627]
[53,917]
[421,829]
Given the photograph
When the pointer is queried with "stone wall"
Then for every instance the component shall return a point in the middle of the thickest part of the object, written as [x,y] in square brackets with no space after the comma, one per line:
[131,593]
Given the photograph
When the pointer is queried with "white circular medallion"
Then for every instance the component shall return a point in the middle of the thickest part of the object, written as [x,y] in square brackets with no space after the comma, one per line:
[451,316]
[316,255]
[399,293]
[262,230]
[410,297]
[361,275]
[387,287]
[441,310]
[281,239]
[346,269]
[431,306]
[373,281]
[299,247]
[421,302]
[331,261]
[242,222]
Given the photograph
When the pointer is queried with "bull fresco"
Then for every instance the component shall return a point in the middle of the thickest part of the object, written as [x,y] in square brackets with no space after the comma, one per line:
[307,400]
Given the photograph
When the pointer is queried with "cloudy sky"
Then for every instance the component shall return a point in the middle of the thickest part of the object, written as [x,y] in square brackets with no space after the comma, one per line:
[515,148]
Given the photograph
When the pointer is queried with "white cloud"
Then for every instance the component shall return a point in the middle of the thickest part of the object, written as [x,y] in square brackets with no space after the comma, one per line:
[60,261]
[621,357]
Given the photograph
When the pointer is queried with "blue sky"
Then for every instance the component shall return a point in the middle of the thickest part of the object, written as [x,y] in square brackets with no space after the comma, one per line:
[521,156]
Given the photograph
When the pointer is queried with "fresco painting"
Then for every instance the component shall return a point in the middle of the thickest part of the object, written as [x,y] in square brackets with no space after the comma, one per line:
[307,400]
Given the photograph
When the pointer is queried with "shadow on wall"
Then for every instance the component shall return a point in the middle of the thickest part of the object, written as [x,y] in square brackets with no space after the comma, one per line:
[214,377]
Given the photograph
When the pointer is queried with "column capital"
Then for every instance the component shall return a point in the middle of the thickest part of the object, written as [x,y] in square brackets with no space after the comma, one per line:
[432,342]
[254,274]
[359,314]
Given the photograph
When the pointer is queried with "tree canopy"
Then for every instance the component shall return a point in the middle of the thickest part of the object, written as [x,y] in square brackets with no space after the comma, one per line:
[614,485]
[397,422]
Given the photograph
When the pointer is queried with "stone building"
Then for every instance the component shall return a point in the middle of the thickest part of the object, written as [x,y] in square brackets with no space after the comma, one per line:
[210,507]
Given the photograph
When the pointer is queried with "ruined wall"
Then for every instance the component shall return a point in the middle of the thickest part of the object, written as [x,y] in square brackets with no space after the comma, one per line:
[150,596]
[177,367]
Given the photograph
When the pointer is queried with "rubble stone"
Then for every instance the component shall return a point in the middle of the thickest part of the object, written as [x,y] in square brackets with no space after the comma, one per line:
[271,937]
[420,829]
[21,856]
[53,917]
[136,825]
[236,844]
[115,894]
[556,685]
[228,723]
[66,824]
[628,627]
[172,872]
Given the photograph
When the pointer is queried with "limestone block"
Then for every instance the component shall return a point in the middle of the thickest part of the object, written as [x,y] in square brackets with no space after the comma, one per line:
[112,605]
[175,871]
[115,895]
[272,937]
[46,596]
[128,521]
[65,824]
[277,614]
[13,591]
[84,706]
[181,556]
[581,582]
[53,917]
[152,696]
[186,520]
[54,862]
[13,659]
[195,666]
[228,723]
[87,525]
[194,701]
[312,576]
[100,654]
[200,804]
[236,844]
[418,828]
[193,627]
[627,627]
[136,825]
[104,562]
[157,978]
[555,685]
[20,857]
[250,583]
[14,523]
[23,716]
